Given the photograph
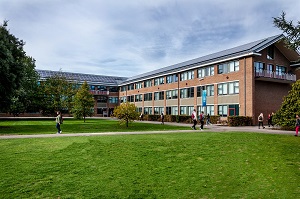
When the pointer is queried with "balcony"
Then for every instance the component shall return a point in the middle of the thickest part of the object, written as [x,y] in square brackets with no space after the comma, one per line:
[98,92]
[266,75]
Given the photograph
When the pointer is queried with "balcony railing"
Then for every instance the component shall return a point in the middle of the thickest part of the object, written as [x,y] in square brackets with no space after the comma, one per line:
[274,75]
[98,92]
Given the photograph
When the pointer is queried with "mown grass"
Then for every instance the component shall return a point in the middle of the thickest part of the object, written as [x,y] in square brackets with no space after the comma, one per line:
[182,165]
[46,126]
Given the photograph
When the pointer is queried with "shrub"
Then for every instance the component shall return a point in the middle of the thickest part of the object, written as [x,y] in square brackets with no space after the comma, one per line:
[240,121]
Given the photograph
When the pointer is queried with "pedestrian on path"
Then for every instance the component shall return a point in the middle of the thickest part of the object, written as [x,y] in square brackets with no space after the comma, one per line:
[58,122]
[261,120]
[201,118]
[162,117]
[297,124]
[194,119]
[208,119]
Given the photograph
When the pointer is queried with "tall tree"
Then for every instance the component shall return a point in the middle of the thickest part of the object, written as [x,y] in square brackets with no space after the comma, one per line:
[126,113]
[83,102]
[13,66]
[291,31]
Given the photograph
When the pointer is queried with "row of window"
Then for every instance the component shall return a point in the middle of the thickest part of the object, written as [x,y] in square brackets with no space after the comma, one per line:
[104,88]
[223,110]
[187,75]
[228,88]
[260,67]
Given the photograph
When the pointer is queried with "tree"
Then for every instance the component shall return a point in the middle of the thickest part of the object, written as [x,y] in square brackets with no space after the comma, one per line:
[126,113]
[14,65]
[24,98]
[291,32]
[83,102]
[56,94]
[285,116]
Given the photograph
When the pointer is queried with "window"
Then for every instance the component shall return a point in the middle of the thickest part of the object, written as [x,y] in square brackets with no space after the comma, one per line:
[113,100]
[102,88]
[187,75]
[259,67]
[270,52]
[270,68]
[123,88]
[280,70]
[138,85]
[131,87]
[206,71]
[171,110]
[139,109]
[172,78]
[113,89]
[199,90]
[130,98]
[139,98]
[228,67]
[148,110]
[92,87]
[172,94]
[187,92]
[186,110]
[159,81]
[122,99]
[159,95]
[148,97]
[210,109]
[223,110]
[147,83]
[101,99]
[210,90]
[228,88]
[158,110]
[174,110]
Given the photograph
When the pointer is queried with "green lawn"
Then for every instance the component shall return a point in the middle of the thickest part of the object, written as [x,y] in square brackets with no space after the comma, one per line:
[46,126]
[179,165]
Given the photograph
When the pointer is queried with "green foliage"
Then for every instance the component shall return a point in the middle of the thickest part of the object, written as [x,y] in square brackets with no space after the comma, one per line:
[83,102]
[17,72]
[56,94]
[239,121]
[126,113]
[285,116]
[291,31]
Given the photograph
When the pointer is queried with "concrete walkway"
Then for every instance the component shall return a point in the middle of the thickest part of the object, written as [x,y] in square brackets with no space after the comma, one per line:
[209,128]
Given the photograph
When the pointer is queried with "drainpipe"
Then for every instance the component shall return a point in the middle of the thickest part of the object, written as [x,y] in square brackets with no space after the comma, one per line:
[245,86]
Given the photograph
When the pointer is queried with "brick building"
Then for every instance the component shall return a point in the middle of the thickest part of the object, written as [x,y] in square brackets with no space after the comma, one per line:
[245,81]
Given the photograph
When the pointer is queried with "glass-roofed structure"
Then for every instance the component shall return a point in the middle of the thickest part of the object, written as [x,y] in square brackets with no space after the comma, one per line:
[104,88]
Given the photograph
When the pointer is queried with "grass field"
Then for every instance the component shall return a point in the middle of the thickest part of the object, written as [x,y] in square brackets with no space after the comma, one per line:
[178,165]
[46,126]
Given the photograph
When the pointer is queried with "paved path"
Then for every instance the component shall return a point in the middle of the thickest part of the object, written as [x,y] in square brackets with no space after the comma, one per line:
[209,128]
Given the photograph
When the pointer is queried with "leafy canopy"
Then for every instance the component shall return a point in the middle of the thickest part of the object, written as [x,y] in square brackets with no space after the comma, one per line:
[126,113]
[14,69]
[83,102]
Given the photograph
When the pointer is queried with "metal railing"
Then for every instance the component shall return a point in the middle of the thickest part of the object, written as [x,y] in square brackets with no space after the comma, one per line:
[274,75]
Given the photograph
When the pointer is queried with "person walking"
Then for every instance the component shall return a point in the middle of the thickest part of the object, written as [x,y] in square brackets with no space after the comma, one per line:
[270,116]
[162,117]
[201,118]
[208,119]
[141,117]
[194,119]
[297,124]
[58,122]
[261,120]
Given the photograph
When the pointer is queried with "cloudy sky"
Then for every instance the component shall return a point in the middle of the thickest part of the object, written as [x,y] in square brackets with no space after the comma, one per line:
[130,37]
